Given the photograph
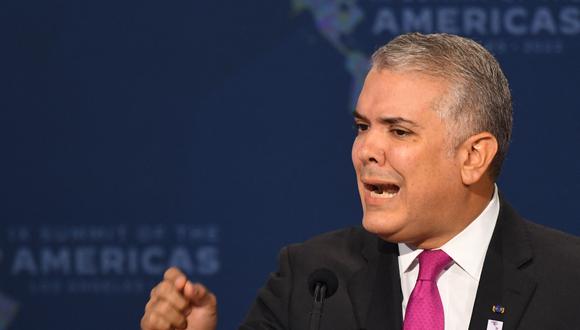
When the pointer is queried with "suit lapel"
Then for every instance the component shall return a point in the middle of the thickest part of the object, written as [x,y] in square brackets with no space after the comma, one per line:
[375,290]
[503,281]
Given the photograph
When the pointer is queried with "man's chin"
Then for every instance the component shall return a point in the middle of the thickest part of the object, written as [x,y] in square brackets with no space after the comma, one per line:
[379,225]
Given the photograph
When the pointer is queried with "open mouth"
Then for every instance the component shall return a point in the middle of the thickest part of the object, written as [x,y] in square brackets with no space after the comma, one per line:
[386,190]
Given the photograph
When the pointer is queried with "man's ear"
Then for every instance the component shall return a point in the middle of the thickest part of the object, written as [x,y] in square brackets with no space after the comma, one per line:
[477,153]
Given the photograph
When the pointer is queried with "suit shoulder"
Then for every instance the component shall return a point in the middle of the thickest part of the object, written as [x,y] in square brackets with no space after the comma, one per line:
[339,249]
[555,247]
[340,236]
[552,238]
[341,240]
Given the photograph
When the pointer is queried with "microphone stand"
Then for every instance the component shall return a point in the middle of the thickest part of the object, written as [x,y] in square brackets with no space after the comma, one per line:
[317,305]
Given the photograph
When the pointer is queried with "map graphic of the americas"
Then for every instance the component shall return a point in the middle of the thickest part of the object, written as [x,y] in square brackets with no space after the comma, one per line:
[336,20]
[355,28]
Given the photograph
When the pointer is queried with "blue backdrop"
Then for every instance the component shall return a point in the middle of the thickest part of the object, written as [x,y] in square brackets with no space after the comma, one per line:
[141,134]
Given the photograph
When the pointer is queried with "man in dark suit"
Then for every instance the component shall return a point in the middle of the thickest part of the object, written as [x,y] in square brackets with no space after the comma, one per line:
[531,271]
[439,248]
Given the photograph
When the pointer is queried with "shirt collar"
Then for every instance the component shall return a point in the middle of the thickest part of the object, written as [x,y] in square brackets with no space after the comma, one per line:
[468,248]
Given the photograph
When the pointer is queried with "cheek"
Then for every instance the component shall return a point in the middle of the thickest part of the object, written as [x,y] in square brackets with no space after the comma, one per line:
[403,160]
[354,152]
[420,166]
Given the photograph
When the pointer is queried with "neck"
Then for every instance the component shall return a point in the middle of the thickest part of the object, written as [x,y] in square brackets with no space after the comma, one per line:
[475,200]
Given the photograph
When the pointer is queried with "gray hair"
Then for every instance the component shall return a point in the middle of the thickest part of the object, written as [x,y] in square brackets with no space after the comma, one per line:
[479,99]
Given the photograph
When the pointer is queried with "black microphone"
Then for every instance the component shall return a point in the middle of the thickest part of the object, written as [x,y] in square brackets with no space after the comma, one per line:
[322,284]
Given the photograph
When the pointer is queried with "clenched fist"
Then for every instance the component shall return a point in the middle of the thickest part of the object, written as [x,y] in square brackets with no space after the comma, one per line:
[177,303]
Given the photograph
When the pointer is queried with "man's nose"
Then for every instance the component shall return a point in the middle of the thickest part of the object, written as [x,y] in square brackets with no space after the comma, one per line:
[372,150]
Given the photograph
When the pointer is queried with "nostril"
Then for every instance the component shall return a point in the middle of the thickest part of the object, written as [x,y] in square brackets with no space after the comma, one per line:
[369,152]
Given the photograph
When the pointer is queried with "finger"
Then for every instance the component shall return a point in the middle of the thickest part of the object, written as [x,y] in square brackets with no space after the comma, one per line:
[188,310]
[199,294]
[176,276]
[168,312]
[150,304]
[172,273]
[153,321]
[193,291]
[165,291]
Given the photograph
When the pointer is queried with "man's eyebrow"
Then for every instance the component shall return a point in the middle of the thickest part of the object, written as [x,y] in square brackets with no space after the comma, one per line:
[397,120]
[357,115]
[388,120]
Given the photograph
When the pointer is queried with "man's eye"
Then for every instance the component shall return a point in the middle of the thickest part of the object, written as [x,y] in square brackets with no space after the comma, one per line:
[361,127]
[400,132]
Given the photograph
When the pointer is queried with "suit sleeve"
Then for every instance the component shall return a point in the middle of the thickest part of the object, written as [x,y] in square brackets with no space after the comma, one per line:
[271,309]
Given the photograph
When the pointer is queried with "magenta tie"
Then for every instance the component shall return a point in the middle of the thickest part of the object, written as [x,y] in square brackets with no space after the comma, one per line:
[425,310]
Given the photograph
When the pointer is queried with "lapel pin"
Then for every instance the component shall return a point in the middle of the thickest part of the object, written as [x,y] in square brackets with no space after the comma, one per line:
[498,309]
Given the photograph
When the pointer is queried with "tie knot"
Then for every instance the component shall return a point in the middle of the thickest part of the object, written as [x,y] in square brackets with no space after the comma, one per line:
[431,263]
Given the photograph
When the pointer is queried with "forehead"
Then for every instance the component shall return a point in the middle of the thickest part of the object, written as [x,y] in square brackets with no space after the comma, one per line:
[400,93]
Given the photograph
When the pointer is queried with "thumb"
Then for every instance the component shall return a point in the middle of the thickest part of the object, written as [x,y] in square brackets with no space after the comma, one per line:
[199,295]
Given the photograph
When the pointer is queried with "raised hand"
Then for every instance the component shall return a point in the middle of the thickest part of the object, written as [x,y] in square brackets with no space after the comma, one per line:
[177,303]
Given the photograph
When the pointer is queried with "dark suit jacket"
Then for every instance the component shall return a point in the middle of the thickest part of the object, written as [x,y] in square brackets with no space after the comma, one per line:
[532,271]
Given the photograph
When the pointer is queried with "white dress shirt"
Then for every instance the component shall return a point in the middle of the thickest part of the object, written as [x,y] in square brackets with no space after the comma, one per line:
[458,282]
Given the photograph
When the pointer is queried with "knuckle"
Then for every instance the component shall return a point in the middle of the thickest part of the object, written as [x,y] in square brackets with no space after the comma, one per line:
[165,308]
[159,288]
[164,288]
[158,322]
[178,300]
[180,303]
[171,273]
[148,321]
[155,308]
[150,304]
[144,322]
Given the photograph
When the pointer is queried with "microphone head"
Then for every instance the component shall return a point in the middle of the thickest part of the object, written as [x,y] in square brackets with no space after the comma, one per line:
[323,276]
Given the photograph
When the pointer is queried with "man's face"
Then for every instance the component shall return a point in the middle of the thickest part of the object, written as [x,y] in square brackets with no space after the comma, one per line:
[409,182]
